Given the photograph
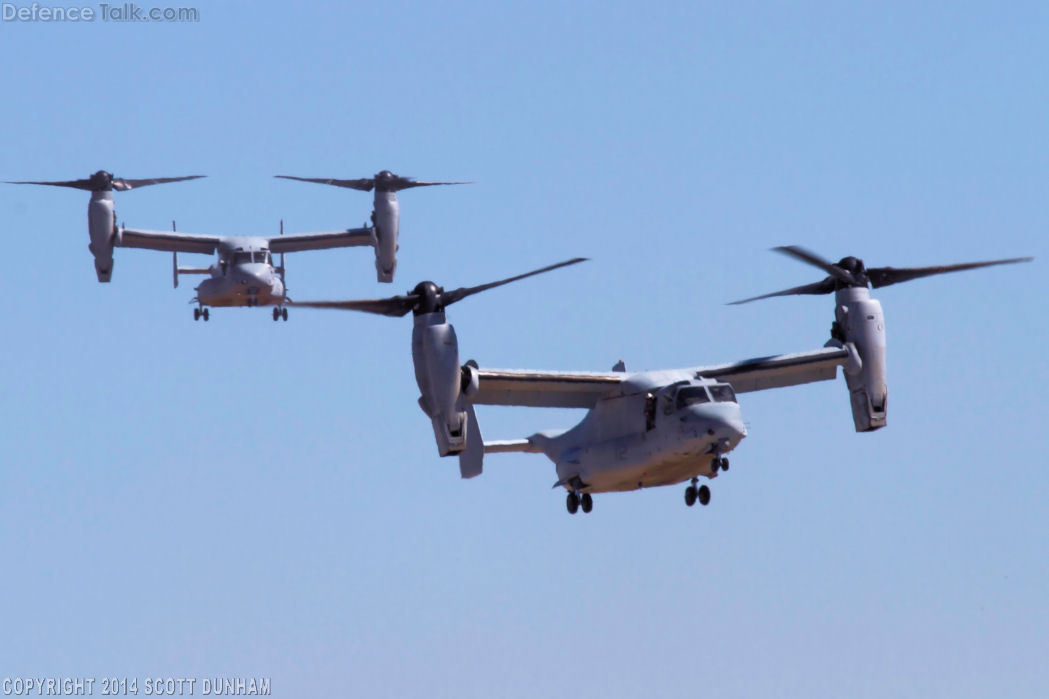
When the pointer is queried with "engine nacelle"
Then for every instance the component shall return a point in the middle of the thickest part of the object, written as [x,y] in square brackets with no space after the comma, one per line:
[386,221]
[435,353]
[101,225]
[862,326]
[384,269]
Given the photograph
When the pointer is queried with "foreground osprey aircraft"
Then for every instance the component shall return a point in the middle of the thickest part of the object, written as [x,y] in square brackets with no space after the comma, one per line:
[648,428]
[385,215]
[243,274]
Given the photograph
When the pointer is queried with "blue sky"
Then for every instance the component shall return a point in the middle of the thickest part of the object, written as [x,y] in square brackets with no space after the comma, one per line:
[251,498]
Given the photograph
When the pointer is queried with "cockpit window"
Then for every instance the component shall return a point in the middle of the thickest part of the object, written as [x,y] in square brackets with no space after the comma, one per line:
[243,257]
[691,395]
[723,393]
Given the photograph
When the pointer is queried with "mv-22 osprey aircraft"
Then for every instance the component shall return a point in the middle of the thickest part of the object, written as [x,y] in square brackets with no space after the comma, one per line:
[648,428]
[244,273]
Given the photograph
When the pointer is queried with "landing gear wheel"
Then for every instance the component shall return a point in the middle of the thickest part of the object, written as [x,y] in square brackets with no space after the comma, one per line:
[724,463]
[276,314]
[205,315]
[587,502]
[572,503]
[284,315]
[690,495]
[196,314]
[703,494]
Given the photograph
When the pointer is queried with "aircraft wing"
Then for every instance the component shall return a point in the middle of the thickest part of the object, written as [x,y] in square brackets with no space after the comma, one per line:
[169,241]
[544,389]
[297,242]
[576,389]
[778,371]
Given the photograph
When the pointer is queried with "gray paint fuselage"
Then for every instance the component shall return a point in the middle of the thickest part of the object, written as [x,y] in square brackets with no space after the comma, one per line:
[617,448]
[235,281]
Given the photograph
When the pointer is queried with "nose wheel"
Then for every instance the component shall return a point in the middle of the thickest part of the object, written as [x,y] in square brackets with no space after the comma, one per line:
[719,462]
[201,313]
[692,494]
[575,501]
[279,313]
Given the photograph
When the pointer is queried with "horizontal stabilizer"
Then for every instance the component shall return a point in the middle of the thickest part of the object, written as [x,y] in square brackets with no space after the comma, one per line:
[510,445]
[176,270]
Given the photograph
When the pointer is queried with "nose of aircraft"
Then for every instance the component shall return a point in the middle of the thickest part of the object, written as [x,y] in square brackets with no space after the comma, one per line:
[255,274]
[723,421]
[261,278]
[732,428]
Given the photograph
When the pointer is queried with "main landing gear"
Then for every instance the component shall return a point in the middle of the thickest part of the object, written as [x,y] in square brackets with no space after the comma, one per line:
[575,501]
[692,493]
[199,313]
[279,313]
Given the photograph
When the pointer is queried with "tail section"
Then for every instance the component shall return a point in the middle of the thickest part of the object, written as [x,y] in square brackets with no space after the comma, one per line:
[509,446]
[176,270]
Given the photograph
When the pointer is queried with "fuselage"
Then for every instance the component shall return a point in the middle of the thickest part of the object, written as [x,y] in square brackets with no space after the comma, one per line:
[648,435]
[244,275]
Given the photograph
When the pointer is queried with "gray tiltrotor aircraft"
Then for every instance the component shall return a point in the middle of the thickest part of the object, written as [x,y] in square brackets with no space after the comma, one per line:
[244,273]
[648,428]
[385,215]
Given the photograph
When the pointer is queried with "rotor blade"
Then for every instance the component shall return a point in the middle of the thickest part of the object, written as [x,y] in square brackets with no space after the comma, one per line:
[122,185]
[407,183]
[884,276]
[363,185]
[824,287]
[76,184]
[799,253]
[395,306]
[450,297]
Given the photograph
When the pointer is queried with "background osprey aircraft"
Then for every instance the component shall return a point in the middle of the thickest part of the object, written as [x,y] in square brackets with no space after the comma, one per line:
[648,428]
[244,273]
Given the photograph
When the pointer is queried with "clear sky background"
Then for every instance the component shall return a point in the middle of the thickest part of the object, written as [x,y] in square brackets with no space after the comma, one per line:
[248,498]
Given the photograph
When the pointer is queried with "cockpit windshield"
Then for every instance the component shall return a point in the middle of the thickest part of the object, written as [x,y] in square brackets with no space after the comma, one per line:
[691,395]
[694,395]
[245,257]
[723,393]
